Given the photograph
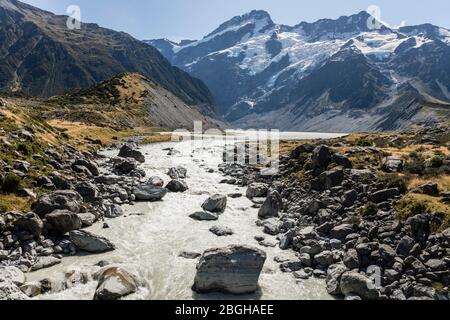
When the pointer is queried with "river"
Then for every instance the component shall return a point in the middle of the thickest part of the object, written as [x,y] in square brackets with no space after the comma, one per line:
[150,237]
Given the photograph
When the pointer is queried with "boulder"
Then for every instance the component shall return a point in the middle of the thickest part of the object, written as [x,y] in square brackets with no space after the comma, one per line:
[221,231]
[31,223]
[177,173]
[87,190]
[87,218]
[146,192]
[430,189]
[324,258]
[420,227]
[271,206]
[10,291]
[349,198]
[304,148]
[384,195]
[332,178]
[405,246]
[44,182]
[215,203]
[177,186]
[321,157]
[257,190]
[45,262]
[124,166]
[333,279]
[90,165]
[13,275]
[392,164]
[354,283]
[341,231]
[342,161]
[155,181]
[113,210]
[351,259]
[62,221]
[114,283]
[234,269]
[89,242]
[127,151]
[204,216]
[60,182]
[58,200]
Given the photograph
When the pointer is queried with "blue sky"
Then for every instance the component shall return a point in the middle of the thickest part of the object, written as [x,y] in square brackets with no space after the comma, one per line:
[192,19]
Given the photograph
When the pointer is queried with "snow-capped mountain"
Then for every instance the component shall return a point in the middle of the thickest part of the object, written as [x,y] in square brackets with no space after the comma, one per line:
[352,73]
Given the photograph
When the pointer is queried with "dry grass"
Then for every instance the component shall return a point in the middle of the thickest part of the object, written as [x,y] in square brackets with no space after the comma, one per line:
[442,181]
[11,202]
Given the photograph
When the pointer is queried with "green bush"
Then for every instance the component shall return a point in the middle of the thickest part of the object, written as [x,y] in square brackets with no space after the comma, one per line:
[436,161]
[4,207]
[12,183]
[25,148]
[364,142]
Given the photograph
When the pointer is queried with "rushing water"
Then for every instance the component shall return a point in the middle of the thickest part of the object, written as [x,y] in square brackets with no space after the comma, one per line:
[150,237]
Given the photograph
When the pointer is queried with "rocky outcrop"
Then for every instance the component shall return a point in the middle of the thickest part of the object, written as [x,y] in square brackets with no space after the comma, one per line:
[234,269]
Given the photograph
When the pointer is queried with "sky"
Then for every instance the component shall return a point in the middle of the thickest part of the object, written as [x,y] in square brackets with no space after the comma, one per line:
[193,19]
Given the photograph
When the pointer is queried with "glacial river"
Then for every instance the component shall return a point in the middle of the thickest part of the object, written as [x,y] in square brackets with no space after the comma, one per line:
[150,237]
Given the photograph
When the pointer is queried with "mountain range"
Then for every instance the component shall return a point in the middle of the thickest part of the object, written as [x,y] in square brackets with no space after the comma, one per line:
[348,74]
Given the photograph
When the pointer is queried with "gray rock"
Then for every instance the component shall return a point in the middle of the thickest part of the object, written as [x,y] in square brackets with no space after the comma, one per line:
[384,195]
[90,165]
[354,283]
[333,279]
[124,166]
[324,258]
[321,157]
[31,289]
[62,221]
[10,291]
[351,259]
[177,186]
[430,189]
[342,161]
[177,173]
[89,242]
[332,178]
[215,203]
[204,216]
[45,262]
[420,227]
[392,164]
[341,231]
[31,223]
[221,231]
[87,190]
[405,246]
[58,200]
[436,265]
[349,198]
[257,190]
[189,255]
[127,151]
[87,219]
[114,283]
[387,254]
[155,181]
[113,210]
[13,275]
[271,206]
[234,269]
[145,192]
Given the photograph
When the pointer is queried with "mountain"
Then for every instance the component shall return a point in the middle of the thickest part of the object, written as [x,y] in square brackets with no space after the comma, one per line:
[40,56]
[348,74]
[128,100]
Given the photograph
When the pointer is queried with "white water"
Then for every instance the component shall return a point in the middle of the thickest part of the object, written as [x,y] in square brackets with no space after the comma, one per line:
[149,244]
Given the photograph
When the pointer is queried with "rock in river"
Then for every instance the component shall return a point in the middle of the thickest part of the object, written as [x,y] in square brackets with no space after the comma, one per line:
[204,216]
[234,269]
[271,206]
[62,221]
[221,231]
[146,192]
[356,283]
[114,283]
[177,186]
[127,151]
[215,203]
[89,242]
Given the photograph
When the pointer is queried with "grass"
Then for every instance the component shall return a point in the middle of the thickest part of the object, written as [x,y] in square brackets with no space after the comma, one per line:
[11,202]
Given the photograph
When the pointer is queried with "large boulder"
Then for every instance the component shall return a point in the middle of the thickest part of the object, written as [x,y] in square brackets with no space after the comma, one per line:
[13,275]
[332,178]
[145,192]
[31,223]
[384,195]
[257,190]
[354,283]
[234,269]
[321,157]
[177,186]
[124,166]
[430,189]
[90,165]
[58,200]
[114,283]
[215,203]
[343,161]
[301,149]
[89,242]
[62,221]
[87,190]
[333,279]
[392,164]
[10,291]
[420,227]
[271,206]
[177,173]
[127,151]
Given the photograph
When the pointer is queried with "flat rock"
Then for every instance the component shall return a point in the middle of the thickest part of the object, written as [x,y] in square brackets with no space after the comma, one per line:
[89,242]
[204,216]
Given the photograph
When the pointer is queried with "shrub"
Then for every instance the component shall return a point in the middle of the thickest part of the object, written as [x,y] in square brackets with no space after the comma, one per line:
[407,207]
[369,209]
[12,183]
[25,149]
[436,161]
[415,166]
[364,142]
[4,207]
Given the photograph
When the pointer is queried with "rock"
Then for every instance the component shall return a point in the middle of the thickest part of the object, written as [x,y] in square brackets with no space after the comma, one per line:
[87,190]
[221,231]
[204,216]
[62,221]
[44,182]
[13,275]
[341,231]
[155,181]
[107,180]
[189,255]
[257,190]
[356,283]
[304,148]
[305,259]
[87,219]
[215,203]
[90,165]
[145,192]
[405,246]
[420,227]
[436,265]
[387,254]
[234,269]
[235,195]
[127,151]
[26,193]
[430,189]
[271,206]
[89,242]
[113,211]
[124,166]
[60,182]
[392,164]
[31,289]
[177,186]
[321,157]
[332,178]
[31,223]
[177,173]
[384,195]
[349,198]
[351,259]
[58,200]
[333,279]
[324,258]
[10,291]
[341,160]
[114,283]
[446,235]
[45,262]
